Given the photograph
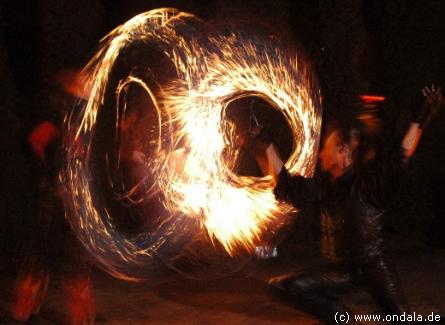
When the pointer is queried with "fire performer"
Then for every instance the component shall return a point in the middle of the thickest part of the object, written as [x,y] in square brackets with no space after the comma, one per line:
[52,242]
[350,199]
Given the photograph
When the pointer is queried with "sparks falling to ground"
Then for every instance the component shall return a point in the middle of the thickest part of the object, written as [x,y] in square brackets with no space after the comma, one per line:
[194,146]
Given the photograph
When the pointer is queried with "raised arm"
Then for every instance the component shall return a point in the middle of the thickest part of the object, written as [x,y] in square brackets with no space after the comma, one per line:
[295,189]
[433,101]
[274,162]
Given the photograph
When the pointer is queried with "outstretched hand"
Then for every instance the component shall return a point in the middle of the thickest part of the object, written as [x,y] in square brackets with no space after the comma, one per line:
[433,97]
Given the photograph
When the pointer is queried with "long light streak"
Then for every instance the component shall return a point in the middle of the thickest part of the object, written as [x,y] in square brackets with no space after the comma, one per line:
[194,147]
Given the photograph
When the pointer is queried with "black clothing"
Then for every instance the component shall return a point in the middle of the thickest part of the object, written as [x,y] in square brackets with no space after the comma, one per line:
[314,290]
[351,210]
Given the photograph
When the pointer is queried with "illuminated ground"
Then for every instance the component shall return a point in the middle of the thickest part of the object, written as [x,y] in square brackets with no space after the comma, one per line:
[243,299]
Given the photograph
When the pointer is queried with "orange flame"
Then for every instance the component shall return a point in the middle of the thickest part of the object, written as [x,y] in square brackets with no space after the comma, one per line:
[191,174]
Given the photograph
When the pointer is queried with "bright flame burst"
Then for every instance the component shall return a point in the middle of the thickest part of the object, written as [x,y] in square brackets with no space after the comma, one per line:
[192,167]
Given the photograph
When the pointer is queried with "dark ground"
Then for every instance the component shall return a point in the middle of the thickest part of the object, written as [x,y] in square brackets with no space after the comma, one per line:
[240,299]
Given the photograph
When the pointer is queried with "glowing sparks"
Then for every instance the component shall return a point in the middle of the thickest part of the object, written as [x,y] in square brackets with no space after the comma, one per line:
[194,146]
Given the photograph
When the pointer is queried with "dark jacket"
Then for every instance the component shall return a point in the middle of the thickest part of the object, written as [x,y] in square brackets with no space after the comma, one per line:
[351,210]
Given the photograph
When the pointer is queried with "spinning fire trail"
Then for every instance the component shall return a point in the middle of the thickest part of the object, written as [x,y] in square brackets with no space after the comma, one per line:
[188,161]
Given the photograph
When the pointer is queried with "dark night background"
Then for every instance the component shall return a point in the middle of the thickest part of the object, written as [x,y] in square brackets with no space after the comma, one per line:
[389,48]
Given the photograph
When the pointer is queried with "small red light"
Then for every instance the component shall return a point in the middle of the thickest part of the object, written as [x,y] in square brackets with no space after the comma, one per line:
[372,98]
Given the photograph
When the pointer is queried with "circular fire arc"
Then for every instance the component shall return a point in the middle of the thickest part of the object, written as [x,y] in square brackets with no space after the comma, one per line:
[200,191]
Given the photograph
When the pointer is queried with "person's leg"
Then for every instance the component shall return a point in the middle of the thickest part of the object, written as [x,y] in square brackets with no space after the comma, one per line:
[29,290]
[77,285]
[31,284]
[384,286]
[315,292]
